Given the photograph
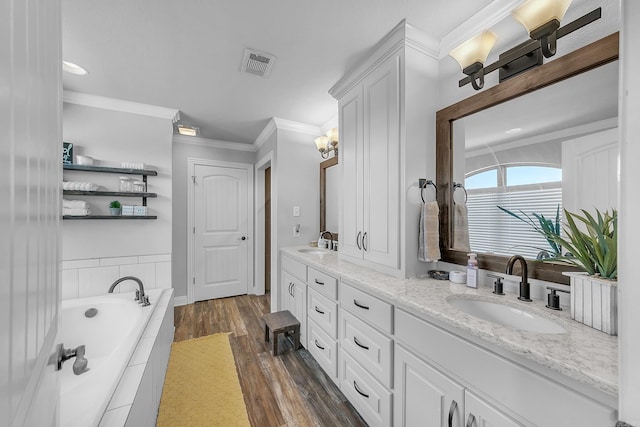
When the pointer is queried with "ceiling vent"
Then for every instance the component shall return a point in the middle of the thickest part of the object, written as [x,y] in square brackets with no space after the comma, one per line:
[257,63]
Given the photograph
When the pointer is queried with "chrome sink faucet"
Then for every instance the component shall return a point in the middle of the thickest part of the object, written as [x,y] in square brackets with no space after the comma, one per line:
[525,291]
[140,295]
[330,245]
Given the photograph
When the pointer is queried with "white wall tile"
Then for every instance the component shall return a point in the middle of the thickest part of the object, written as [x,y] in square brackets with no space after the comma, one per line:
[80,263]
[69,285]
[115,417]
[163,275]
[96,281]
[104,262]
[127,387]
[144,272]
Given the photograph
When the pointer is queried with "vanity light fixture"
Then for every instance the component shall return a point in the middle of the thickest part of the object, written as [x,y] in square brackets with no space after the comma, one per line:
[72,68]
[327,144]
[187,130]
[542,19]
[472,54]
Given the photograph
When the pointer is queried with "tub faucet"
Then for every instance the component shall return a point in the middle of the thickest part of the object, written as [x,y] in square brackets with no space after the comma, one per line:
[63,354]
[140,295]
[525,294]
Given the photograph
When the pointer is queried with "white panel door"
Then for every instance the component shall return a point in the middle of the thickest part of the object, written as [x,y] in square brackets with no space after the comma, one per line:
[590,172]
[424,397]
[221,218]
[351,157]
[381,191]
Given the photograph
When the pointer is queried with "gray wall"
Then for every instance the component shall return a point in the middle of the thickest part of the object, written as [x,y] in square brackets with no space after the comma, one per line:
[112,137]
[181,152]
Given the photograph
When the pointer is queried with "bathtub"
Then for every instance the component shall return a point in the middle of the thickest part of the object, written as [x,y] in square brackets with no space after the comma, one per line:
[110,338]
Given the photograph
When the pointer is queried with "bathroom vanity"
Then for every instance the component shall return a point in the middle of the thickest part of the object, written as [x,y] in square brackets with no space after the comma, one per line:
[405,354]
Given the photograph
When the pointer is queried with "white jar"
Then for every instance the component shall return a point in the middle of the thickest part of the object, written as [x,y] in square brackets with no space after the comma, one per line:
[125,184]
[139,186]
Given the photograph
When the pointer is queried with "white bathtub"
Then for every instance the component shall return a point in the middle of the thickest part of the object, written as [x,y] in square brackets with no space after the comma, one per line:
[110,338]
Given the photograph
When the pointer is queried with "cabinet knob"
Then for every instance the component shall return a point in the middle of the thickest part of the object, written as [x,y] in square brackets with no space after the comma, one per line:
[243,238]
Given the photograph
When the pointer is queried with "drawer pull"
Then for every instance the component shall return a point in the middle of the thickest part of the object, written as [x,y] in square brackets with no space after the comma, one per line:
[318,310]
[364,307]
[318,345]
[452,410]
[358,240]
[471,420]
[364,236]
[355,340]
[355,385]
[319,282]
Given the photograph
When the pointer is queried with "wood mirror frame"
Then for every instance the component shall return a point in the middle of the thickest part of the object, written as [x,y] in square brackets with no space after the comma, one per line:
[579,61]
[323,193]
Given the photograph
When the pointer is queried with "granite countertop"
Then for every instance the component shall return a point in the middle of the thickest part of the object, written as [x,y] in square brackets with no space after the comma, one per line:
[582,353]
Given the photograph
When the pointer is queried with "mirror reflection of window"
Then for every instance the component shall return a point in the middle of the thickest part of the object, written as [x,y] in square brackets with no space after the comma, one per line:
[332,189]
[522,156]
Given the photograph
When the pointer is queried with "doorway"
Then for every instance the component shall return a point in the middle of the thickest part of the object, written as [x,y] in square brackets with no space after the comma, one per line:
[220,205]
[267,230]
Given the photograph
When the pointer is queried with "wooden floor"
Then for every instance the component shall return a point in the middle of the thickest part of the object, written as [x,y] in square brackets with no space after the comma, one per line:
[287,390]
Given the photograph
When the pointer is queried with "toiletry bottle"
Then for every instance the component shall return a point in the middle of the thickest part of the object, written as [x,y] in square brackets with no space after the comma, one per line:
[472,271]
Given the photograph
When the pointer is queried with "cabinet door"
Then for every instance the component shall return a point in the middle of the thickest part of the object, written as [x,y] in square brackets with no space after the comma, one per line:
[286,283]
[424,397]
[299,309]
[381,163]
[351,157]
[480,414]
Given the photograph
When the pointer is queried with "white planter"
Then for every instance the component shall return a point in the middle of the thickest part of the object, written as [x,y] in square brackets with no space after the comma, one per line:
[594,302]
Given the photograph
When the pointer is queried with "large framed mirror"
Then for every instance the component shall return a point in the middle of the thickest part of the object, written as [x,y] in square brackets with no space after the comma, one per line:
[487,162]
[329,188]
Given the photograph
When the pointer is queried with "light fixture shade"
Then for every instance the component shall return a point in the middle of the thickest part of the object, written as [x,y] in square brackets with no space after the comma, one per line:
[476,49]
[322,142]
[533,14]
[187,130]
[332,134]
[72,68]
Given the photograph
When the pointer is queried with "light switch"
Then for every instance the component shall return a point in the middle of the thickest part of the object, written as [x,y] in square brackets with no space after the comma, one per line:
[296,211]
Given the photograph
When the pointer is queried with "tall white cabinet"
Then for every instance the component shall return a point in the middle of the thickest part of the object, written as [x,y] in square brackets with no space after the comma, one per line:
[386,131]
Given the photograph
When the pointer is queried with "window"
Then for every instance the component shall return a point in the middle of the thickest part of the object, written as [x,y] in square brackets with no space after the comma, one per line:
[527,188]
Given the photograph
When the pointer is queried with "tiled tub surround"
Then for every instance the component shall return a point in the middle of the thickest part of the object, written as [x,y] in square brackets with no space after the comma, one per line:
[127,346]
[582,354]
[83,278]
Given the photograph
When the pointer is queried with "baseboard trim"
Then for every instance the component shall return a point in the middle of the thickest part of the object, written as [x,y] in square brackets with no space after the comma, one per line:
[180,300]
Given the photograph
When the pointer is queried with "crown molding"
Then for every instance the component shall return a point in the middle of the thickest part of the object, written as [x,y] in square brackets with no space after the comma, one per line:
[266,133]
[283,124]
[120,105]
[329,124]
[486,18]
[401,36]
[213,143]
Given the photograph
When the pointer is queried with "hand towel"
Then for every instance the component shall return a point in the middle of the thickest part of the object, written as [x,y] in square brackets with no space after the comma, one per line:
[429,236]
[460,227]
[78,204]
[76,211]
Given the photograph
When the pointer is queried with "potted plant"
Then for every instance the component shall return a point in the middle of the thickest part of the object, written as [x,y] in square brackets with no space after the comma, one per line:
[115,208]
[592,245]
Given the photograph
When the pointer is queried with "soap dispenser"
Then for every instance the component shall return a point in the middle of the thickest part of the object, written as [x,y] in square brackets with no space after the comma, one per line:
[472,271]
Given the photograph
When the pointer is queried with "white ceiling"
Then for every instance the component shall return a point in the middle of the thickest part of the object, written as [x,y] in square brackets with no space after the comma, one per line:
[186,54]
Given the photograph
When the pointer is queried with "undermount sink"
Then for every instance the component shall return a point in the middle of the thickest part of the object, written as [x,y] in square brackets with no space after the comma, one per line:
[505,315]
[312,251]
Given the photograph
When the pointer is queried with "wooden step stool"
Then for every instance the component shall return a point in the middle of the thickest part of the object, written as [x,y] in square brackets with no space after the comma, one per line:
[281,322]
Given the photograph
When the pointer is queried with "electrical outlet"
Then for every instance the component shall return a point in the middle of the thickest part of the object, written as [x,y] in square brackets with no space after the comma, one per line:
[296,211]
[296,230]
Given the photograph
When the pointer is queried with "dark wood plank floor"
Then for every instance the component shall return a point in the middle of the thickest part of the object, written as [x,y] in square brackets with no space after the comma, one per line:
[288,390]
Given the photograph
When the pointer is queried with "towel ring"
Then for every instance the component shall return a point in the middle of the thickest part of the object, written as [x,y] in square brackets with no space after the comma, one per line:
[457,185]
[423,184]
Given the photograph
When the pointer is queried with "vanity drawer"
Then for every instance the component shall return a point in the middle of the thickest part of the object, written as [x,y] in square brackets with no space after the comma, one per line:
[323,283]
[371,399]
[324,312]
[296,268]
[370,347]
[324,350]
[369,308]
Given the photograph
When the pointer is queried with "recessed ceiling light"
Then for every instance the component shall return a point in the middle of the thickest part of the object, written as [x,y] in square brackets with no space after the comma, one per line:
[187,130]
[513,131]
[72,68]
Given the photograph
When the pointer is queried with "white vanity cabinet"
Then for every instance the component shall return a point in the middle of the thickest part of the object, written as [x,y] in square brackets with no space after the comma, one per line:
[366,353]
[498,391]
[293,293]
[384,146]
[369,117]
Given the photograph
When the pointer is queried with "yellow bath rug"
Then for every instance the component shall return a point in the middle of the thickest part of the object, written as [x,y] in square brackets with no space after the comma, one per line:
[202,387]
